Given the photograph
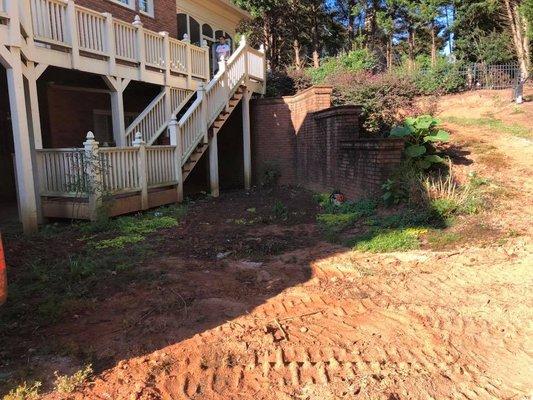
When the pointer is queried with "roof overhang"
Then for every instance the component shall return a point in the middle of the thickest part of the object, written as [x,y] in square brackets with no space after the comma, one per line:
[229,4]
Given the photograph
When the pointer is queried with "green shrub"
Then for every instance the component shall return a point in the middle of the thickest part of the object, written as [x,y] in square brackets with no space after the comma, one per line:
[353,61]
[24,392]
[420,134]
[385,240]
[385,99]
[68,384]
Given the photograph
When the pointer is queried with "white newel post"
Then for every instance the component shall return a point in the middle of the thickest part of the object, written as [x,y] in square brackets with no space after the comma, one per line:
[242,44]
[175,140]
[110,45]
[207,67]
[203,112]
[73,33]
[187,41]
[223,69]
[143,171]
[213,166]
[166,55]
[247,146]
[141,57]
[93,171]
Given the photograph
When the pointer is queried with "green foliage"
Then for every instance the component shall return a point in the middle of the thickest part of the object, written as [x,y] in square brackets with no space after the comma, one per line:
[351,62]
[270,174]
[526,8]
[494,125]
[68,384]
[337,222]
[443,78]
[118,242]
[420,133]
[24,392]
[385,99]
[386,240]
[144,226]
[280,210]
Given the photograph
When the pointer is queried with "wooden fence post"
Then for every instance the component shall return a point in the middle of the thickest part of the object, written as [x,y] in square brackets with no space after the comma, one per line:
[93,172]
[175,140]
[143,170]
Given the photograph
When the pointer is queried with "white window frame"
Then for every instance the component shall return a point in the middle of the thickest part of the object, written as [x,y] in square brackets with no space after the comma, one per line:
[151,9]
[128,4]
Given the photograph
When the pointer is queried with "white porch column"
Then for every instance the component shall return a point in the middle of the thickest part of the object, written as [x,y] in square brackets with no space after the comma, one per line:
[27,195]
[32,73]
[117,87]
[213,166]
[246,139]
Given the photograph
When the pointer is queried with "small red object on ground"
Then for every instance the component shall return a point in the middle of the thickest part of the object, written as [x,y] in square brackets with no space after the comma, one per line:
[3,274]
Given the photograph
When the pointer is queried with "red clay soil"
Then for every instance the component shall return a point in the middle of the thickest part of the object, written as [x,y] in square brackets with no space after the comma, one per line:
[281,314]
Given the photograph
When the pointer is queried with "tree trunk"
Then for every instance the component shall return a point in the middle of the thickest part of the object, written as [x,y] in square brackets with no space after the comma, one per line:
[297,50]
[433,46]
[316,45]
[518,26]
[411,54]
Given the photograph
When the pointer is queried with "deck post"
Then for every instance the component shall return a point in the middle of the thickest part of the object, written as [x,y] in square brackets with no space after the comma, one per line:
[175,140]
[117,87]
[187,41]
[223,68]
[25,172]
[143,171]
[203,112]
[166,52]
[93,172]
[213,166]
[205,46]
[73,34]
[141,56]
[262,50]
[110,46]
[246,139]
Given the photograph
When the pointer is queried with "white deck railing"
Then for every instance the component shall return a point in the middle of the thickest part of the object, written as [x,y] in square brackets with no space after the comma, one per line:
[62,172]
[213,98]
[89,33]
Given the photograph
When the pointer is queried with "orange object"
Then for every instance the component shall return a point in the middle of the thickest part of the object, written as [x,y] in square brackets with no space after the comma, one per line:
[3,274]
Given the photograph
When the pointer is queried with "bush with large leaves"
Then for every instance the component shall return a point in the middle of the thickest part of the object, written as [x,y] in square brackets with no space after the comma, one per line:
[420,134]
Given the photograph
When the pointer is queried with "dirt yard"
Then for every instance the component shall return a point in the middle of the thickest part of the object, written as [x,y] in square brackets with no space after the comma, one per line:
[245,299]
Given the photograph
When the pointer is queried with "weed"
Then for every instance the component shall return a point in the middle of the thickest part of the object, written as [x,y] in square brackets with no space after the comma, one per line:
[24,392]
[119,242]
[80,268]
[144,226]
[271,174]
[386,240]
[68,384]
[280,210]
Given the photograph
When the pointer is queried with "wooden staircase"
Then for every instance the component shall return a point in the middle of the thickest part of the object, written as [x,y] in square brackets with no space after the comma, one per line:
[214,129]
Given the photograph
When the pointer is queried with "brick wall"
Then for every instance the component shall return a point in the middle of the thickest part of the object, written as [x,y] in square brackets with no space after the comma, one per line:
[275,126]
[320,147]
[164,12]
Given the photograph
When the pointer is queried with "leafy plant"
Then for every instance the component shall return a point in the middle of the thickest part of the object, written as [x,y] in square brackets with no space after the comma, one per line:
[385,240]
[280,210]
[119,242]
[337,222]
[24,392]
[420,134]
[68,384]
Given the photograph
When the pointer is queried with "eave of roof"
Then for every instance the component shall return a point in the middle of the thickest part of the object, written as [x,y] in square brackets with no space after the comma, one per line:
[229,4]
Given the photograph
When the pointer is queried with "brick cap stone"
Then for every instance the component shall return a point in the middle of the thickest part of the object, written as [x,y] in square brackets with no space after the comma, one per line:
[373,143]
[312,91]
[338,110]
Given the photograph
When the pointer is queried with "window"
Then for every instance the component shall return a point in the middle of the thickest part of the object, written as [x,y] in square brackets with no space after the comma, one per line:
[125,3]
[146,7]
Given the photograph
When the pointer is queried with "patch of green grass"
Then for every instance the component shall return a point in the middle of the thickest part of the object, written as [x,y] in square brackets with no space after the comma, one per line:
[68,384]
[336,222]
[387,240]
[280,210]
[494,125]
[439,239]
[144,226]
[24,392]
[118,242]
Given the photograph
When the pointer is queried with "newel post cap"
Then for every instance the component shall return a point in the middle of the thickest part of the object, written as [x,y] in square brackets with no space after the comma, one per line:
[138,140]
[90,143]
[137,22]
[186,38]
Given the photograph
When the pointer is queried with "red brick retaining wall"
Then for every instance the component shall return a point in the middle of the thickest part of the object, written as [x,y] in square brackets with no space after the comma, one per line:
[320,147]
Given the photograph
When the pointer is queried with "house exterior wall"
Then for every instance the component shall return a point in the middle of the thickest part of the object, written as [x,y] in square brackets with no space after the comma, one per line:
[319,147]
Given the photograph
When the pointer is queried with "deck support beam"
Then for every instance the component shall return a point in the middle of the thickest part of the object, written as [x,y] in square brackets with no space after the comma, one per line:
[246,139]
[24,163]
[213,166]
[117,87]
[32,72]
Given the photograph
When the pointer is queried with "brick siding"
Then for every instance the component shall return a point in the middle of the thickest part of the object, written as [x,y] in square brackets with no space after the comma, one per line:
[164,12]
[319,147]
